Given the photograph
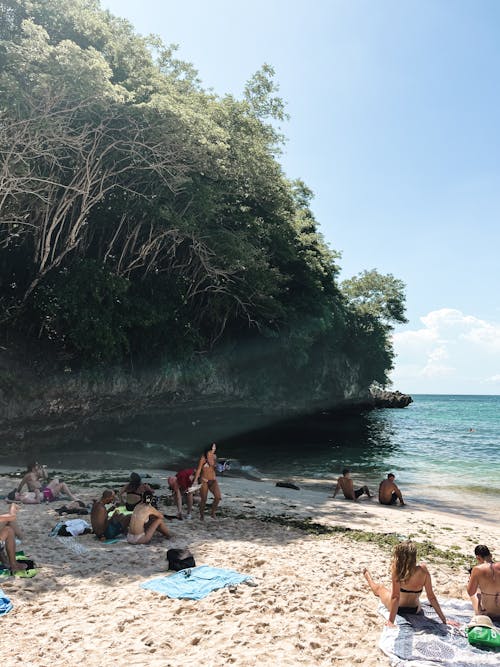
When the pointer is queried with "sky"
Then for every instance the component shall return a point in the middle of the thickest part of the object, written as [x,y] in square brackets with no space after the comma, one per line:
[394,124]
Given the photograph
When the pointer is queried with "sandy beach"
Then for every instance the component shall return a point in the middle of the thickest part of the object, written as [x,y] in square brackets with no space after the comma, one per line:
[310,606]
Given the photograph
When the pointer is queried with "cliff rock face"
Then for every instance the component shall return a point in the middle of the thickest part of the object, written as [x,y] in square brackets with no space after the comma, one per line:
[34,400]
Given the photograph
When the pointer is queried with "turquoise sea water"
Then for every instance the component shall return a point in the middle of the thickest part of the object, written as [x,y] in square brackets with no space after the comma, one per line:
[444,450]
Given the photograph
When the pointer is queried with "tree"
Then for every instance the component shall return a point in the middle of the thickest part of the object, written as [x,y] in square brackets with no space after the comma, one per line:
[381,296]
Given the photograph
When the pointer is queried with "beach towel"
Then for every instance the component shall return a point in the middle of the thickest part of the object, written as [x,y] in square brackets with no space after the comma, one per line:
[5,603]
[421,640]
[195,583]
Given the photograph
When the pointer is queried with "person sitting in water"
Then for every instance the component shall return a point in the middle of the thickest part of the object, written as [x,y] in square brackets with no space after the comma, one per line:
[179,486]
[133,491]
[484,584]
[104,526]
[206,474]
[347,485]
[39,488]
[8,541]
[145,521]
[408,581]
[388,492]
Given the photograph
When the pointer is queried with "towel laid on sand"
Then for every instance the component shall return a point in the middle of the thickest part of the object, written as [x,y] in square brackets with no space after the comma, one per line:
[195,583]
[421,640]
[5,603]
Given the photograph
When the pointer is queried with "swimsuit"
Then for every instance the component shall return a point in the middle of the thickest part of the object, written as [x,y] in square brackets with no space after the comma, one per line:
[392,501]
[407,610]
[405,590]
[48,494]
[495,596]
[113,529]
[134,539]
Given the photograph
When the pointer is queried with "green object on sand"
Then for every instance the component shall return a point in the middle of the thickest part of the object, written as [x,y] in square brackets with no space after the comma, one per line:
[24,574]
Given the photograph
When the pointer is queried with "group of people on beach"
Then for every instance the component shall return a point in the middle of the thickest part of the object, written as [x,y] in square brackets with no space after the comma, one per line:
[388,491]
[410,578]
[131,511]
[139,520]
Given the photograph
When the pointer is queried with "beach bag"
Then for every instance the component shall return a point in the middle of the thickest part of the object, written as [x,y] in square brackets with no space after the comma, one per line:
[484,637]
[180,559]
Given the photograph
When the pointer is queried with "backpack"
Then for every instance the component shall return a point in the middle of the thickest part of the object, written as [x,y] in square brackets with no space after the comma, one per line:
[484,637]
[180,559]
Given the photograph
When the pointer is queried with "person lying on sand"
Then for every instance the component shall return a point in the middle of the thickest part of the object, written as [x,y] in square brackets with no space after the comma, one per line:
[105,527]
[39,488]
[484,584]
[145,521]
[388,492]
[179,485]
[408,581]
[347,485]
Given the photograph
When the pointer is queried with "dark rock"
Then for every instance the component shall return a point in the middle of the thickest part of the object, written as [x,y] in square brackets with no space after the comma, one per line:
[288,485]
[381,398]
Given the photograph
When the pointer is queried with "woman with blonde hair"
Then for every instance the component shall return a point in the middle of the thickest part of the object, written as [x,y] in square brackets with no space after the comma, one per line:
[409,579]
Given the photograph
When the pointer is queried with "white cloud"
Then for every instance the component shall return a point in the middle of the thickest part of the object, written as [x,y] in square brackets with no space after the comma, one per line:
[450,353]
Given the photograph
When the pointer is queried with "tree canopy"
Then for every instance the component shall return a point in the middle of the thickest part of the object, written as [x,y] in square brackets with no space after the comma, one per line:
[144,218]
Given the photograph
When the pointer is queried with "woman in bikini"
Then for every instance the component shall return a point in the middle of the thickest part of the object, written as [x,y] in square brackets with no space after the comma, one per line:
[206,474]
[408,581]
[484,584]
[133,491]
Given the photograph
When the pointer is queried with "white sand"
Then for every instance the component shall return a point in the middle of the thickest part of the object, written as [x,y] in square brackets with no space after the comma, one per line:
[311,605]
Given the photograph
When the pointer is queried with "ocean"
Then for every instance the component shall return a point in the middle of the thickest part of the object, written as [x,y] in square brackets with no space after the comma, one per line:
[443,449]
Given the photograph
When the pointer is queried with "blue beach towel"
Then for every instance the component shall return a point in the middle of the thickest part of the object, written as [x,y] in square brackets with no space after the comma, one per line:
[5,603]
[195,583]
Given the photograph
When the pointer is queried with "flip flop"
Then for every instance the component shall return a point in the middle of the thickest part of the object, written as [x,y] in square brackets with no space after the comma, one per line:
[30,570]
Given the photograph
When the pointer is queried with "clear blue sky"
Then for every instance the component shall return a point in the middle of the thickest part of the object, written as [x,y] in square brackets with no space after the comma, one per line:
[394,125]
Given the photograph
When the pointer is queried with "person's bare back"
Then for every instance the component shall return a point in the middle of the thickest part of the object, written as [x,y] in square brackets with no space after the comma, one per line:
[484,584]
[388,491]
[144,522]
[346,484]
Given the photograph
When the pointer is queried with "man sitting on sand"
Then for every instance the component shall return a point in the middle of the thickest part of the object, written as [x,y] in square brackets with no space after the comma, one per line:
[39,488]
[347,485]
[484,584]
[145,521]
[8,541]
[388,492]
[105,527]
[179,486]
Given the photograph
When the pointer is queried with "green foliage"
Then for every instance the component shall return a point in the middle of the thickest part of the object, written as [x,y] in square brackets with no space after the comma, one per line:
[144,218]
[374,294]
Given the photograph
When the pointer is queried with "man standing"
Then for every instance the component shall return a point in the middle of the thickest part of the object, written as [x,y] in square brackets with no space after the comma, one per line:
[388,492]
[484,583]
[347,485]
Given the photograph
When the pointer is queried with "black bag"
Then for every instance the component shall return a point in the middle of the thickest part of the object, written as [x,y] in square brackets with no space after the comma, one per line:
[12,495]
[180,559]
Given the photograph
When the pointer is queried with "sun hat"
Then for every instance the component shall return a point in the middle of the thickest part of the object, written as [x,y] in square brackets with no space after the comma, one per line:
[480,622]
